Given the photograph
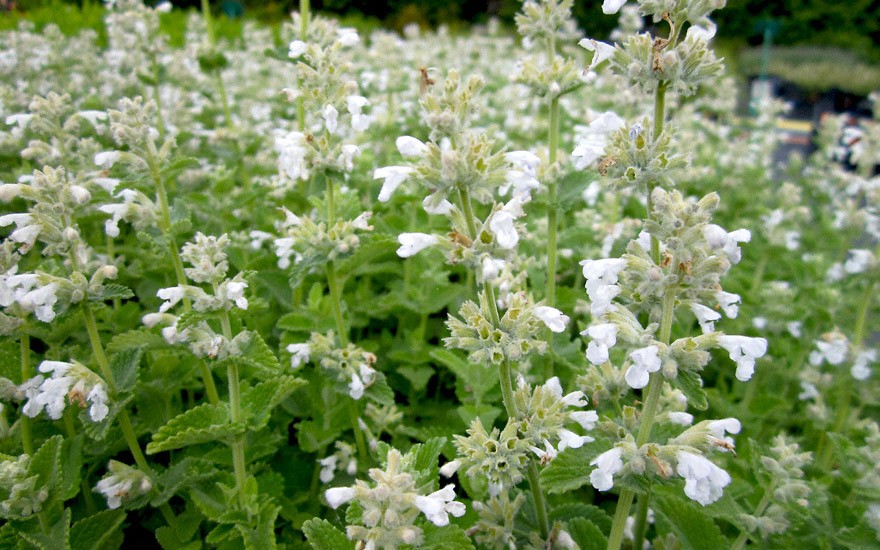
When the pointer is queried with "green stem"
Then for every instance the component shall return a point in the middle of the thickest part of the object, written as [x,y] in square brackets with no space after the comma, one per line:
[235,415]
[304,13]
[845,389]
[209,22]
[539,499]
[552,206]
[336,302]
[363,456]
[624,501]
[27,441]
[740,541]
[641,525]
[646,422]
[759,273]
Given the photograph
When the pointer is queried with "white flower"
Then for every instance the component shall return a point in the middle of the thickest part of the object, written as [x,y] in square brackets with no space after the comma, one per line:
[546,454]
[491,268]
[718,428]
[442,208]
[860,369]
[346,157]
[859,261]
[587,419]
[601,51]
[328,468]
[645,360]
[696,32]
[573,399]
[610,7]
[604,336]
[681,418]
[704,481]
[410,146]
[40,301]
[601,300]
[359,121]
[524,178]
[603,272]
[171,295]
[235,292]
[728,301]
[552,317]
[80,194]
[393,176]
[607,464]
[808,391]
[338,496]
[413,243]
[706,317]
[591,144]
[501,224]
[98,397]
[362,222]
[568,438]
[300,354]
[347,36]
[438,505]
[744,350]
[297,48]
[449,469]
[292,150]
[107,159]
[795,328]
[719,239]
[330,114]
[356,387]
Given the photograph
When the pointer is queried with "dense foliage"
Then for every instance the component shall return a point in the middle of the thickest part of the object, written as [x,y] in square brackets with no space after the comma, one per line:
[428,291]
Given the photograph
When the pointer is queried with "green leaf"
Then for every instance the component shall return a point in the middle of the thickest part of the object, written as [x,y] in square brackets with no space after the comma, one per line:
[255,353]
[691,524]
[186,473]
[486,413]
[110,292]
[178,165]
[190,318]
[305,321]
[373,247]
[691,385]
[425,457]
[586,534]
[124,366]
[57,537]
[322,535]
[314,437]
[477,378]
[568,471]
[259,401]
[46,465]
[572,510]
[98,532]
[379,391]
[207,422]
[449,537]
[71,467]
[140,338]
[418,377]
[261,536]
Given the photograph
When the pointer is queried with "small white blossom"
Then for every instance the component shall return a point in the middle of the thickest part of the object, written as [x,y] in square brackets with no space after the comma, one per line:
[297,48]
[171,295]
[328,468]
[449,469]
[300,354]
[859,261]
[719,239]
[393,176]
[413,243]
[704,481]
[590,145]
[645,360]
[601,51]
[604,336]
[338,496]
[347,36]
[728,302]
[706,317]
[681,418]
[98,397]
[410,146]
[552,317]
[744,350]
[330,114]
[610,7]
[861,365]
[107,159]
[356,387]
[607,464]
[438,505]
[235,292]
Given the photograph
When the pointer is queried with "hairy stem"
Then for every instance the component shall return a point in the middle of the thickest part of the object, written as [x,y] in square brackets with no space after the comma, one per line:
[27,442]
[239,464]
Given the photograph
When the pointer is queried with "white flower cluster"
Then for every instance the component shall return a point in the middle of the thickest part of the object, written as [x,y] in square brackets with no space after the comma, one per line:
[71,382]
[123,484]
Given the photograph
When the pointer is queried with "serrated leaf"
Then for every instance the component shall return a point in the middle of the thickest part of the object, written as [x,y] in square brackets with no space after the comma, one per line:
[56,537]
[691,524]
[124,366]
[691,385]
[300,269]
[99,430]
[379,391]
[139,338]
[449,537]
[186,473]
[305,321]
[322,535]
[98,531]
[418,377]
[46,465]
[262,535]
[372,248]
[110,292]
[568,471]
[594,514]
[255,353]
[265,396]
[178,165]
[204,423]
[478,379]
[190,318]
[586,534]
[71,467]
[425,457]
